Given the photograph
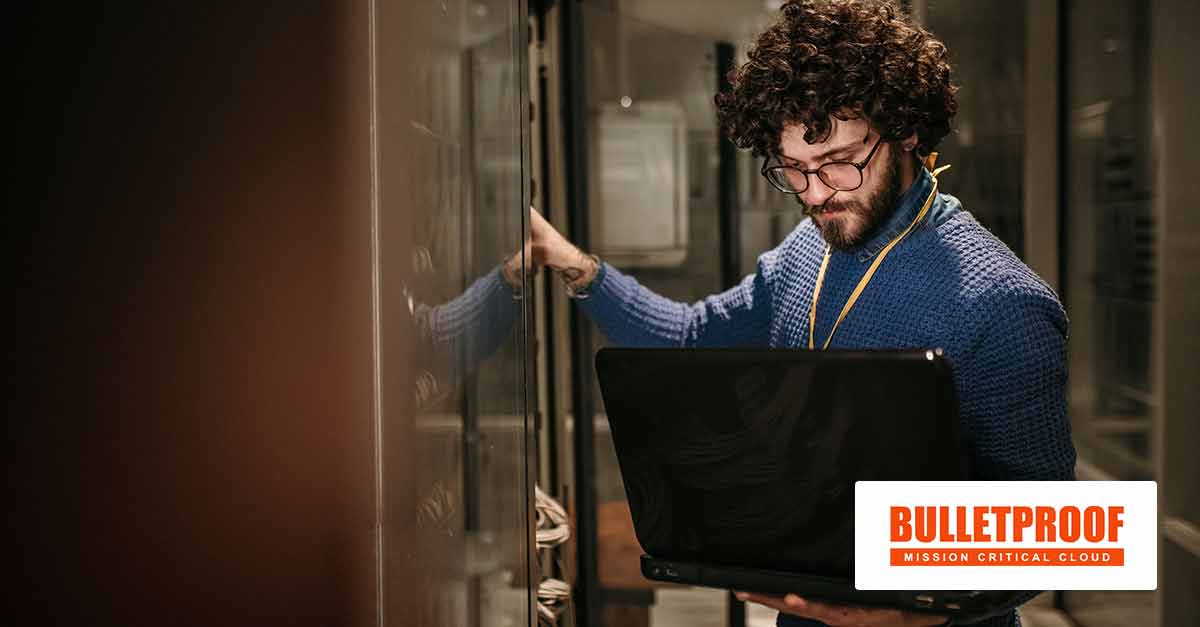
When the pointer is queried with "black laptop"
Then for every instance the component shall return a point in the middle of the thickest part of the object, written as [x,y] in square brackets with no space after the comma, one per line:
[740,464]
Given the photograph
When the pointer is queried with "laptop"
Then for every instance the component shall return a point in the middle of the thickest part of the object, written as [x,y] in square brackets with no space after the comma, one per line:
[739,464]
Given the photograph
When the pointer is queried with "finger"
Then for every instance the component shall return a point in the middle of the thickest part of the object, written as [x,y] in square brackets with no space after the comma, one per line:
[531,260]
[924,620]
[796,606]
[538,253]
[842,615]
[762,599]
[751,597]
[800,606]
[850,615]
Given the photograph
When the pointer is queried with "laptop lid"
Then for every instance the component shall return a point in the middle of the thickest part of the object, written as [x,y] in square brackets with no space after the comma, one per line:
[748,458]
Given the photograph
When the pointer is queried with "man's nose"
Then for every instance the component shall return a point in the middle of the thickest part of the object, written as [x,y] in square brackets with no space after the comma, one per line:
[817,193]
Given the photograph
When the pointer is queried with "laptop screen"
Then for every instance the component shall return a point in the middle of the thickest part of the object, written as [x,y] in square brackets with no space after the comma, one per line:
[748,458]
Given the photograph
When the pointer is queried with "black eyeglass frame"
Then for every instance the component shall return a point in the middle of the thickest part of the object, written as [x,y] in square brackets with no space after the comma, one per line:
[859,165]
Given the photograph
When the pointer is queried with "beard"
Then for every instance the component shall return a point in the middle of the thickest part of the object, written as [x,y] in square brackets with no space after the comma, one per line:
[856,221]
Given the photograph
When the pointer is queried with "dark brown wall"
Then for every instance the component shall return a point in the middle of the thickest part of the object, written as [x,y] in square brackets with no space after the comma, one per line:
[190,426]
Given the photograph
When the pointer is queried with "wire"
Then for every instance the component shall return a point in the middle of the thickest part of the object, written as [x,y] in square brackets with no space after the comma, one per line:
[553,529]
[552,526]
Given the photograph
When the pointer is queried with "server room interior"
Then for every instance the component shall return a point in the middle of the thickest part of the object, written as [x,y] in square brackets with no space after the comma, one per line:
[251,382]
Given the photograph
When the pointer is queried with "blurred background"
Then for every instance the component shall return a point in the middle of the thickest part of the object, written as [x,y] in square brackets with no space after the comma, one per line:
[267,368]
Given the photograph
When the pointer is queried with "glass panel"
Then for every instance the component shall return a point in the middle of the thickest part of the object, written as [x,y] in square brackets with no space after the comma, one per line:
[496,392]
[651,130]
[1109,254]
[1177,312]
[1179,585]
[451,199]
[1110,230]
[986,145]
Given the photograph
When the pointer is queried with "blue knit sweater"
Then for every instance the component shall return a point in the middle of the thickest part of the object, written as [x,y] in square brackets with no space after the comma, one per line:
[949,284]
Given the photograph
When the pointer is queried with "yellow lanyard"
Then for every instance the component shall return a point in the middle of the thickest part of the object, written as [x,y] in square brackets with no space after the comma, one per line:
[862,283]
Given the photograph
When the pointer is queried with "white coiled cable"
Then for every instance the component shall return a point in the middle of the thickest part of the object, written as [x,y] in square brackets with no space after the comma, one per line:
[552,527]
[552,530]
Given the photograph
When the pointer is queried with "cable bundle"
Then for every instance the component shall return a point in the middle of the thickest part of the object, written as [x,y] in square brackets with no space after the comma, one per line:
[552,597]
[552,530]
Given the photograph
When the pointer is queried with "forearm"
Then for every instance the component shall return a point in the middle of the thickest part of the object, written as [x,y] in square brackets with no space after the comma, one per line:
[626,312]
[629,314]
[466,330]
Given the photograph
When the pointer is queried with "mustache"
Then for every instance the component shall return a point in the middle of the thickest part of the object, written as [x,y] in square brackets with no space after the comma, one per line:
[848,206]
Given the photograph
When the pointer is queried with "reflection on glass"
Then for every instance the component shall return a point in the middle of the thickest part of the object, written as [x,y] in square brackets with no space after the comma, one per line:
[455,539]
[986,146]
[1110,269]
[651,130]
[1109,282]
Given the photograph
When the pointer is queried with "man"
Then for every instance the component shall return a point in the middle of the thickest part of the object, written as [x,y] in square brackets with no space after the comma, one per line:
[845,100]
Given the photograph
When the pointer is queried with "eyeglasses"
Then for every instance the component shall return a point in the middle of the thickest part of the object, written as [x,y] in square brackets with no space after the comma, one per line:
[842,176]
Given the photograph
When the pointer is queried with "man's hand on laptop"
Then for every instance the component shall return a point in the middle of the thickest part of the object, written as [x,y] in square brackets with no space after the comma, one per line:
[836,615]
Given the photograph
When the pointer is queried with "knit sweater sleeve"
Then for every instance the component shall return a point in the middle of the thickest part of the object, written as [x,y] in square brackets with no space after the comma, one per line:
[464,331]
[1015,407]
[629,314]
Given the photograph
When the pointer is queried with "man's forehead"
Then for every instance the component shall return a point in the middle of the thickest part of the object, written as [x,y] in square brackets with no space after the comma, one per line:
[842,134]
[840,131]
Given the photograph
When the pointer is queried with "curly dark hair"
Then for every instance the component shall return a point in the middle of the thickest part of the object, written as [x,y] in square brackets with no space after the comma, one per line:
[841,58]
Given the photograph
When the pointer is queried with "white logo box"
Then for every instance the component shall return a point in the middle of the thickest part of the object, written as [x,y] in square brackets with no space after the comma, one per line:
[1087,563]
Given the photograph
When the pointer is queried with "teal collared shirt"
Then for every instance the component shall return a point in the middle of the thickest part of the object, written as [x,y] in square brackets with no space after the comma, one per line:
[907,208]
